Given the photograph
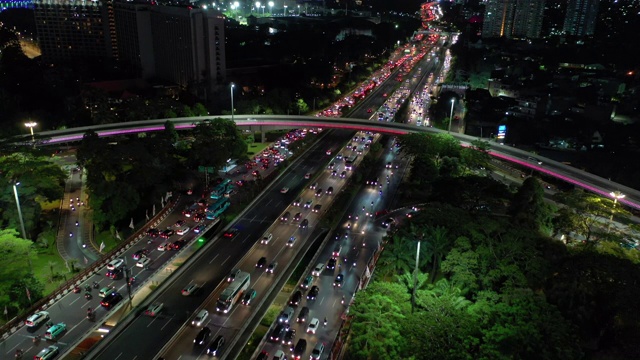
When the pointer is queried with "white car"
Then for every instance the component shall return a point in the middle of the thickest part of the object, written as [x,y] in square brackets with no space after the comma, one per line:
[37,319]
[114,264]
[313,326]
[143,262]
[183,230]
[266,238]
[189,289]
[318,269]
[200,318]
[284,190]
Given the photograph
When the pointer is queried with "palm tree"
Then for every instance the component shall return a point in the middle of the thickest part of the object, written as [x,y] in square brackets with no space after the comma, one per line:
[437,244]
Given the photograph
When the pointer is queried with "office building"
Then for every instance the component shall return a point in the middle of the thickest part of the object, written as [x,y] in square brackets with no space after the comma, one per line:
[134,38]
[513,18]
[71,30]
[581,17]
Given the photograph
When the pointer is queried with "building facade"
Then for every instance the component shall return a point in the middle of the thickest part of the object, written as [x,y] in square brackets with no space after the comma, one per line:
[71,30]
[581,16]
[513,18]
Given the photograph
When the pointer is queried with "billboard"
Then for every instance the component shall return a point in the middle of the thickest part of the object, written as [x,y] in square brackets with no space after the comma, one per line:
[502,131]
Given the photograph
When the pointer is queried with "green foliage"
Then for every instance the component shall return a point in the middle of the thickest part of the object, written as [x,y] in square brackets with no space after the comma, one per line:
[15,272]
[528,207]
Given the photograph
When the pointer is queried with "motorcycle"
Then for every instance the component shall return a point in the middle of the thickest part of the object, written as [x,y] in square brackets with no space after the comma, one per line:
[96,285]
[76,289]
[87,288]
[19,354]
[88,295]
[36,339]
[70,234]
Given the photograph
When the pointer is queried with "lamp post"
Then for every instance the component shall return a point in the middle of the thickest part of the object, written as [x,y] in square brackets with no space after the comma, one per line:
[271,8]
[237,6]
[31,125]
[284,13]
[232,111]
[15,192]
[616,195]
[453,102]
[263,9]
[258,7]
[298,10]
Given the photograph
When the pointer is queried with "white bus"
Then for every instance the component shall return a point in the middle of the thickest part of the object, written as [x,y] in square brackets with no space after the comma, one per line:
[233,292]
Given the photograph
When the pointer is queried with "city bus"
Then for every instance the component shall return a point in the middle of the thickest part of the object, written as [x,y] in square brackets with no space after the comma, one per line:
[350,161]
[219,190]
[232,293]
[214,210]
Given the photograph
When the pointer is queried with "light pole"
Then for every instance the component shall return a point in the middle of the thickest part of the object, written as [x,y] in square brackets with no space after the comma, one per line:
[258,7]
[263,9]
[271,8]
[236,5]
[298,10]
[31,125]
[232,111]
[284,13]
[15,192]
[453,102]
[616,195]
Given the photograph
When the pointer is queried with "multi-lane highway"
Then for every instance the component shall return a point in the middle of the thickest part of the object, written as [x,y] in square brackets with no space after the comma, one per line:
[145,336]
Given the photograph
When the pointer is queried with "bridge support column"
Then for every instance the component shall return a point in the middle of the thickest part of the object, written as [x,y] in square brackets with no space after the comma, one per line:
[263,137]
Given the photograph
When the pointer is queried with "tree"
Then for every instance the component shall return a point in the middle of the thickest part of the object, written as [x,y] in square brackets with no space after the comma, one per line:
[528,207]
[302,106]
[17,256]
[200,110]
[217,141]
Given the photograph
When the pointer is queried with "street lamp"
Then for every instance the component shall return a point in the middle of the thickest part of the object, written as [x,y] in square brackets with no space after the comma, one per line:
[232,112]
[298,10]
[236,5]
[258,7]
[285,11]
[15,192]
[453,102]
[31,125]
[616,195]
[270,8]
[263,9]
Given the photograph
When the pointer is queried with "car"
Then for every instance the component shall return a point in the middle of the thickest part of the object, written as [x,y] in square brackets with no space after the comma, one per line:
[373,182]
[295,298]
[296,202]
[297,217]
[317,351]
[167,233]
[48,353]
[233,274]
[115,263]
[388,166]
[316,208]
[304,224]
[115,274]
[330,190]
[264,355]
[388,222]
[142,263]
[105,291]
[179,223]
[200,228]
[202,336]
[299,349]
[285,216]
[261,262]
[177,245]
[291,241]
[248,296]
[164,246]
[329,152]
[313,293]
[55,330]
[278,332]
[313,326]
[302,316]
[334,173]
[266,238]
[183,230]
[318,269]
[331,264]
[289,336]
[339,157]
[336,251]
[154,309]
[318,192]
[279,355]
[111,300]
[140,254]
[343,174]
[331,166]
[308,204]
[286,315]
[271,267]
[153,232]
[338,280]
[200,318]
[189,289]
[215,348]
[284,190]
[231,233]
[313,186]
[384,95]
[307,176]
[306,283]
[37,319]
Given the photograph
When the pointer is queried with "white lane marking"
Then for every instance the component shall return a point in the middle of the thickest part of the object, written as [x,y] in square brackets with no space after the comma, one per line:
[213,258]
[225,260]
[167,323]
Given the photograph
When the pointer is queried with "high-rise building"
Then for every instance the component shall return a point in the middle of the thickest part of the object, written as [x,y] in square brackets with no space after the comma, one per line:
[581,17]
[74,29]
[513,18]
[133,34]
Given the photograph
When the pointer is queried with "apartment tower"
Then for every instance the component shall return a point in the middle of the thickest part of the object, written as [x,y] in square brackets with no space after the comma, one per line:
[513,18]
[581,17]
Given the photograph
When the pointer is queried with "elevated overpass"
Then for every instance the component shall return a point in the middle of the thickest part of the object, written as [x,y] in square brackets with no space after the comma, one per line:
[263,123]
